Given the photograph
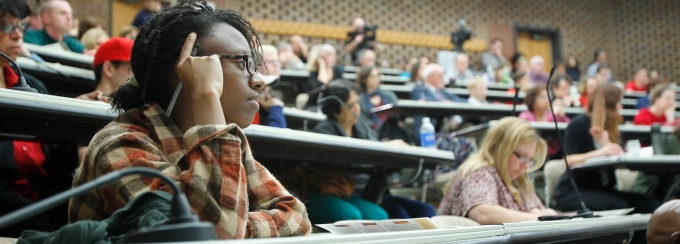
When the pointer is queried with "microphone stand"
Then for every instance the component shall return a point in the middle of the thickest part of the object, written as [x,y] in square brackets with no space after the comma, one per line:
[182,224]
[583,211]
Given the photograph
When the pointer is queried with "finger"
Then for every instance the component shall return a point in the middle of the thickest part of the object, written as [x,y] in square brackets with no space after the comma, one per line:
[188,46]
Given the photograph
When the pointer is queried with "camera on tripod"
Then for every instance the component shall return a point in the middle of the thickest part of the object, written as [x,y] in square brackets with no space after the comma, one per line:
[460,36]
[369,32]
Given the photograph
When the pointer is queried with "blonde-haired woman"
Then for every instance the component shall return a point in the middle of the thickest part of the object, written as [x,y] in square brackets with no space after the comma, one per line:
[322,70]
[492,186]
[93,38]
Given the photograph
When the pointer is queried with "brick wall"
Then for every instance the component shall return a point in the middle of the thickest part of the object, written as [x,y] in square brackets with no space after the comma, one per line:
[634,33]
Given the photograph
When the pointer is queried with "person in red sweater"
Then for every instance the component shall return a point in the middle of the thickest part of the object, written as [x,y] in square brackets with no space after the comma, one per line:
[662,109]
[639,82]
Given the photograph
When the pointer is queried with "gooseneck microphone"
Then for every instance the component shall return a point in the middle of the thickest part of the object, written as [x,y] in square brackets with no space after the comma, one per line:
[583,211]
[22,86]
[182,224]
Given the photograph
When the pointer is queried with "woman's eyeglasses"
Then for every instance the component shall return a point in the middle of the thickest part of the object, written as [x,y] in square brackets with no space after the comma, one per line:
[9,28]
[248,62]
[526,160]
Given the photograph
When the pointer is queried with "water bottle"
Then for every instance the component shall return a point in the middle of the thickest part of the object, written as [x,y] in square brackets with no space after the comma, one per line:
[427,137]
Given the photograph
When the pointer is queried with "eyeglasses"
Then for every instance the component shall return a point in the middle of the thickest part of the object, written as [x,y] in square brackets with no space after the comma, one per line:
[9,28]
[525,160]
[247,62]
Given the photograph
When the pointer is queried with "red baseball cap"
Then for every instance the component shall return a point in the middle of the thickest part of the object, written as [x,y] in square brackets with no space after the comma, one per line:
[115,49]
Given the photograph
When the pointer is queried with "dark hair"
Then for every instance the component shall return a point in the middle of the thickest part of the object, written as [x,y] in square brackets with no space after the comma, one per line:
[88,23]
[518,76]
[514,60]
[340,89]
[532,94]
[362,76]
[653,83]
[555,81]
[98,70]
[15,8]
[159,43]
[596,54]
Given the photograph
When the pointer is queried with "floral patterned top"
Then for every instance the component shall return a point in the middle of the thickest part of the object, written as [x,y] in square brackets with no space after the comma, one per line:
[482,186]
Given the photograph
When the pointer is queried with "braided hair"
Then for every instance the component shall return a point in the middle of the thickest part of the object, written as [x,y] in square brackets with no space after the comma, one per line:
[158,45]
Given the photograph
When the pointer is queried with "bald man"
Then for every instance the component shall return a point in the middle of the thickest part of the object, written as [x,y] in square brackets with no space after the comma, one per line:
[56,16]
[664,225]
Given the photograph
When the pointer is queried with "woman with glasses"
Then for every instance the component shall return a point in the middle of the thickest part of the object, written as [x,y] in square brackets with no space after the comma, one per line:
[195,86]
[30,171]
[493,186]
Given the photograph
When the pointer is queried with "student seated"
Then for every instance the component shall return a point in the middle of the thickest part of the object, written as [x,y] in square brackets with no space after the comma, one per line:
[591,135]
[538,106]
[341,105]
[662,109]
[199,143]
[432,89]
[56,18]
[538,109]
[30,171]
[493,186]
[322,70]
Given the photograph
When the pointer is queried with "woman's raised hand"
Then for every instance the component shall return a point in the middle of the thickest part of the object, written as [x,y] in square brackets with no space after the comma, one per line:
[199,75]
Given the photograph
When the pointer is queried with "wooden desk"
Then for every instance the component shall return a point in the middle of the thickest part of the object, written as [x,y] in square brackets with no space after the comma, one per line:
[63,57]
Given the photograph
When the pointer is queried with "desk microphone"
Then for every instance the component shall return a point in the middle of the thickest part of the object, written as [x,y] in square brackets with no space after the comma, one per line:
[583,211]
[22,85]
[182,225]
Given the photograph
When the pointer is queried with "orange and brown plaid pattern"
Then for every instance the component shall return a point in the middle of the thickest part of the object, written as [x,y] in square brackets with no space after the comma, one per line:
[213,164]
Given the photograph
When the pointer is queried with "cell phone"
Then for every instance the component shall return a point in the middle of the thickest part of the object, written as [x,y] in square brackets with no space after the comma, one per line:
[195,49]
[173,100]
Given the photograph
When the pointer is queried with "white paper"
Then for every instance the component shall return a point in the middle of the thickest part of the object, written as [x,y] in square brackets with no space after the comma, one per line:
[367,226]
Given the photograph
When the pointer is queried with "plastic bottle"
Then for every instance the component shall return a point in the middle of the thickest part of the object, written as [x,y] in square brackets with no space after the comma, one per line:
[427,136]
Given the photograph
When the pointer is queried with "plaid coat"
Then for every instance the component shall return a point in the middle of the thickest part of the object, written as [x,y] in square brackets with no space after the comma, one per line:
[212,163]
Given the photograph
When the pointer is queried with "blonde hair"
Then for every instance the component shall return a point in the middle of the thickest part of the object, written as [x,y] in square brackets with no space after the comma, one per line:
[315,54]
[269,50]
[475,82]
[90,37]
[500,142]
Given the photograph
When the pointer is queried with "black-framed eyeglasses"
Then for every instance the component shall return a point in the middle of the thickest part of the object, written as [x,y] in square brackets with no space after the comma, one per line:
[248,63]
[9,28]
[526,160]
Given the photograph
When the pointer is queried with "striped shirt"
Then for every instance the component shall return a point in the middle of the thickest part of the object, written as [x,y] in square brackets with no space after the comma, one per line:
[212,163]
